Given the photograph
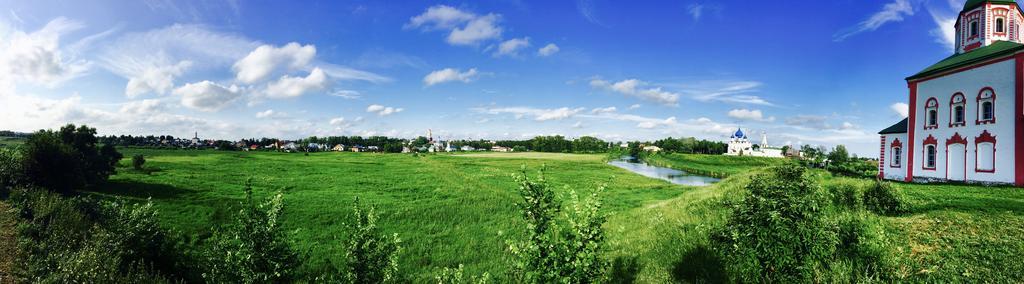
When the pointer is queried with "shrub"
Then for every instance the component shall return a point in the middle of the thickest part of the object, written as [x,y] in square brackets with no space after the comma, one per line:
[137,161]
[254,249]
[372,256]
[883,198]
[777,232]
[846,193]
[67,159]
[76,240]
[551,254]
[10,171]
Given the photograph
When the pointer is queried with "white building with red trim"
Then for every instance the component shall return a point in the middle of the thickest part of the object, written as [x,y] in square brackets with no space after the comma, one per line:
[966,115]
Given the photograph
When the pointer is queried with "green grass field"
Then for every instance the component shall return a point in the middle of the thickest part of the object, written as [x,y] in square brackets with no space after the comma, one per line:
[11,141]
[460,209]
[448,209]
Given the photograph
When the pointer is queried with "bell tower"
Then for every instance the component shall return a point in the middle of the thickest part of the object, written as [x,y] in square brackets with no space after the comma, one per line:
[983,22]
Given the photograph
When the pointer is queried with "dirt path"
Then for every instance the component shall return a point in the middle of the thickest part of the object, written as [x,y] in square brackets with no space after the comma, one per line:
[8,244]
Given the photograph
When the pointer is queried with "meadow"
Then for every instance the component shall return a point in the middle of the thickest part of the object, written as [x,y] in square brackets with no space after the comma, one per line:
[447,209]
[460,209]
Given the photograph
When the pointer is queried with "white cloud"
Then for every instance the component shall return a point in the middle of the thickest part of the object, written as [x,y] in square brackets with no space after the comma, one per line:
[383,110]
[271,114]
[465,28]
[891,12]
[149,106]
[511,47]
[266,59]
[477,30]
[695,10]
[634,88]
[847,126]
[38,58]
[725,91]
[603,110]
[538,114]
[207,96]
[578,124]
[548,50]
[347,94]
[944,31]
[155,79]
[749,115]
[901,109]
[450,75]
[290,87]
[587,10]
[440,17]
[634,106]
[653,124]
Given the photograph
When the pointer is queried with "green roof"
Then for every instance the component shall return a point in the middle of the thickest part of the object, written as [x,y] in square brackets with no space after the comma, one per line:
[991,51]
[899,127]
[975,3]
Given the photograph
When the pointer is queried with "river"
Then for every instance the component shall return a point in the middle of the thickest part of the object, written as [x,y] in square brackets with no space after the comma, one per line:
[668,174]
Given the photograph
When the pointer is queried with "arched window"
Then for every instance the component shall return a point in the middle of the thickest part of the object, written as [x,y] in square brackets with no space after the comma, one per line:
[986,106]
[974,29]
[985,153]
[1000,25]
[929,153]
[931,110]
[897,154]
[957,110]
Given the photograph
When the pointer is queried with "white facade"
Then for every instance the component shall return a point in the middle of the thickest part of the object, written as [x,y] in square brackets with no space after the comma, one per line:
[964,116]
[893,160]
[967,161]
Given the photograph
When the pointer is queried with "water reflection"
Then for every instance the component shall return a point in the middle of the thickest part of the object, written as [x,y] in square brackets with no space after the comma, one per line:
[670,175]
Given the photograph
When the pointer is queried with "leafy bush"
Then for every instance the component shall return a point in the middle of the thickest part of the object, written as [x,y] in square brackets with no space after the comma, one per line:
[137,161]
[847,193]
[68,159]
[254,249]
[551,254]
[76,240]
[777,232]
[883,198]
[372,256]
[10,171]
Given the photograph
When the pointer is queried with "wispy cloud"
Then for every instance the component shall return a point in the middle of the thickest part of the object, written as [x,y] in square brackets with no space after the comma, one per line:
[511,47]
[891,12]
[587,10]
[741,92]
[639,89]
[548,50]
[538,114]
[696,10]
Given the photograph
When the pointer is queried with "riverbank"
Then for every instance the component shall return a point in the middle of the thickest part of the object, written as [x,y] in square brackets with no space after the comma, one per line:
[718,166]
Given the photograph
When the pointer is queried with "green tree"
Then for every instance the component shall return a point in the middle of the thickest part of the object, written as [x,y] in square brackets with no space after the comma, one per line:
[67,159]
[255,248]
[839,155]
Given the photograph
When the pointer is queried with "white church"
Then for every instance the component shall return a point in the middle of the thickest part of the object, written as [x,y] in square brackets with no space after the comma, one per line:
[966,109]
[739,145]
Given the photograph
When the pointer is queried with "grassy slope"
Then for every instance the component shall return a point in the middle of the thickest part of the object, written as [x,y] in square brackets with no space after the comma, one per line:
[713,165]
[448,209]
[953,232]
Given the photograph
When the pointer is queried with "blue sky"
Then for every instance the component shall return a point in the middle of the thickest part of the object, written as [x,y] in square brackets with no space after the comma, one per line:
[813,72]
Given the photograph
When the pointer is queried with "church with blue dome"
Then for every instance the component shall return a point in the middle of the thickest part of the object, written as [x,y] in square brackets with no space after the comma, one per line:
[740,145]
